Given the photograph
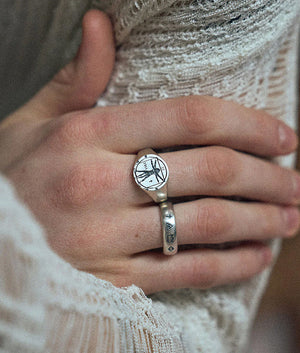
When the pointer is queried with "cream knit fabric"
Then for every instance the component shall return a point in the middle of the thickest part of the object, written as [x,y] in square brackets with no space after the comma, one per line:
[243,50]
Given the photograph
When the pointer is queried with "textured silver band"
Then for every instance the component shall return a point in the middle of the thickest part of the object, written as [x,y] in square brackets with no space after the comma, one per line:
[168,228]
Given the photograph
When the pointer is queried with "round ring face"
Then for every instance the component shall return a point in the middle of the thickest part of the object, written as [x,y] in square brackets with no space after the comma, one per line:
[151,172]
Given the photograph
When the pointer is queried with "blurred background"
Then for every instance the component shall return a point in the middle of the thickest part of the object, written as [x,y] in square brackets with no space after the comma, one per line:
[277,326]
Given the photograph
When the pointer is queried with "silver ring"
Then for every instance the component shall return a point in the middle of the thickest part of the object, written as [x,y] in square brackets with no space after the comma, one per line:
[168,228]
[151,173]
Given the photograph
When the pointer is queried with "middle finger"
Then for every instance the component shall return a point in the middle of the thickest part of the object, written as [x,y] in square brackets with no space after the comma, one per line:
[219,171]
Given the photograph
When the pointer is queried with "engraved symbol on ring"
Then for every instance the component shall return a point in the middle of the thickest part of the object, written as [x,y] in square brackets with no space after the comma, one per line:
[170,233]
[151,172]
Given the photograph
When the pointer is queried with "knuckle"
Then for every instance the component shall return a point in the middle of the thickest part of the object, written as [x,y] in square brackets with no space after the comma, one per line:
[81,128]
[212,222]
[202,273]
[209,273]
[271,218]
[82,185]
[192,114]
[72,130]
[263,130]
[219,166]
[75,188]
[250,264]
[193,274]
[266,131]
[106,124]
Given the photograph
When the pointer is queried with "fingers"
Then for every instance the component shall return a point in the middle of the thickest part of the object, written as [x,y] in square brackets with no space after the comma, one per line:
[199,268]
[81,82]
[209,221]
[194,120]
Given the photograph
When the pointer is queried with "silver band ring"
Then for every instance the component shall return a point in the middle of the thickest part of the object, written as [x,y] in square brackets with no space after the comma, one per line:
[151,173]
[168,228]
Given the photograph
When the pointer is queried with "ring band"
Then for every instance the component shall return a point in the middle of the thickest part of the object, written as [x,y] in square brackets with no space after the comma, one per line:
[168,228]
[151,173]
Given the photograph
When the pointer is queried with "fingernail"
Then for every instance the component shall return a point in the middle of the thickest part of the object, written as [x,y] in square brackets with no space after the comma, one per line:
[291,219]
[287,138]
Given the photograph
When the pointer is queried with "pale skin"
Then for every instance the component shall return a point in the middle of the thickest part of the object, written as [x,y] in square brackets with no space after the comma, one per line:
[72,164]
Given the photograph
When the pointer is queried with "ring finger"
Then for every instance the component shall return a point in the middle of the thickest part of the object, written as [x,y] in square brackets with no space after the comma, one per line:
[210,221]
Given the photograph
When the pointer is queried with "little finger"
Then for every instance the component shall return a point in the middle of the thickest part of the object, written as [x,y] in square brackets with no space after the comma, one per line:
[198,268]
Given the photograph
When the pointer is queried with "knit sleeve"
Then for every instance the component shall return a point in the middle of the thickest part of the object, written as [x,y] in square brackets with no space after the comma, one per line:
[48,306]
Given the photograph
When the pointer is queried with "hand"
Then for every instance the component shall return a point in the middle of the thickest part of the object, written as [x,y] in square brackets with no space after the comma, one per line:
[73,166]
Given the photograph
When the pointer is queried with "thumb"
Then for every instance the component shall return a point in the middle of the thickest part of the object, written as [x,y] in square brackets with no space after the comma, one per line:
[79,84]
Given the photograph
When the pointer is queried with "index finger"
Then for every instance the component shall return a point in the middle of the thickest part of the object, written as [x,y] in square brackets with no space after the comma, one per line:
[194,120]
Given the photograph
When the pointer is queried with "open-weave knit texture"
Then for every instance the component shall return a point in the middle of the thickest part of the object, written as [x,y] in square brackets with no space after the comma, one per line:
[241,50]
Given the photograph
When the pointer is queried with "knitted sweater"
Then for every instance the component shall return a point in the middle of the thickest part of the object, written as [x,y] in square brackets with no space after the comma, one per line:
[242,50]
